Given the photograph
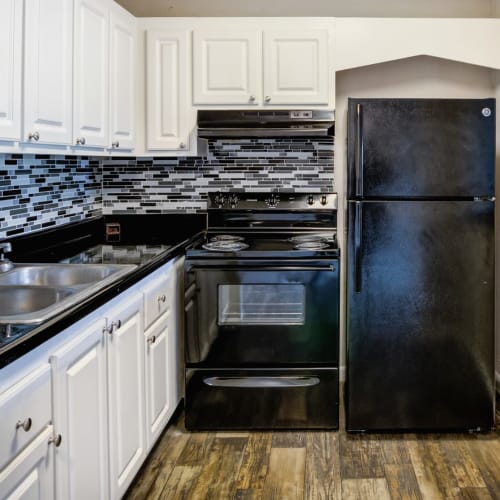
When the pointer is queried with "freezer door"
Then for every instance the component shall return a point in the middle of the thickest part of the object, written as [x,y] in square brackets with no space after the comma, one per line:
[403,148]
[420,339]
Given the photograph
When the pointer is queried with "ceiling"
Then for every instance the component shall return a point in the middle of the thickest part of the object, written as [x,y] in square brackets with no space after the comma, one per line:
[339,8]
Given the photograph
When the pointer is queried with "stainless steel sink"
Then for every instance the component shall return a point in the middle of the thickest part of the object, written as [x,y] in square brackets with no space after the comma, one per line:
[59,274]
[32,293]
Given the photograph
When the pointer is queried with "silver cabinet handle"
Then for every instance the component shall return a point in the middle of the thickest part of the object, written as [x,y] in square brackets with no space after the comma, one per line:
[152,339]
[33,136]
[251,98]
[115,325]
[56,440]
[182,145]
[25,424]
[115,144]
[267,98]
[80,141]
[162,298]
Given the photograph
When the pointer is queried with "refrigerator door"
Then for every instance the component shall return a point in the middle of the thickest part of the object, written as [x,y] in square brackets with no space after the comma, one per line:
[420,340]
[401,148]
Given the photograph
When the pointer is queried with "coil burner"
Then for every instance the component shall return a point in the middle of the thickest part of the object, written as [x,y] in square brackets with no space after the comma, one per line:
[225,246]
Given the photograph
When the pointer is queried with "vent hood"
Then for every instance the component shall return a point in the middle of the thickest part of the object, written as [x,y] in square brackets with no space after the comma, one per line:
[265,123]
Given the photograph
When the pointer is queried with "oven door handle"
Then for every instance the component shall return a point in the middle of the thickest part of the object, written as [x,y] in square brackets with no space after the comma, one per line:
[260,382]
[223,267]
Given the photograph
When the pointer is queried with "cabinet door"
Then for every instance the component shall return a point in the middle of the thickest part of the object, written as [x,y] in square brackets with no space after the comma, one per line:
[167,81]
[296,67]
[91,73]
[11,40]
[158,380]
[127,423]
[30,476]
[122,65]
[80,410]
[48,71]
[227,67]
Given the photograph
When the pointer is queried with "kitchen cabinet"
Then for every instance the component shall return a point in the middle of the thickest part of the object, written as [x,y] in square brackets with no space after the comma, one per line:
[80,402]
[122,68]
[31,474]
[167,106]
[11,40]
[48,71]
[127,423]
[270,67]
[91,75]
[162,349]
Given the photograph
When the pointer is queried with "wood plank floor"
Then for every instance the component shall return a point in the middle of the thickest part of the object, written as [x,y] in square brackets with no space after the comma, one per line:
[319,465]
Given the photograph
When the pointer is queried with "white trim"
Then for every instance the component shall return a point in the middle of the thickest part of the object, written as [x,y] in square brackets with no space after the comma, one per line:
[342,372]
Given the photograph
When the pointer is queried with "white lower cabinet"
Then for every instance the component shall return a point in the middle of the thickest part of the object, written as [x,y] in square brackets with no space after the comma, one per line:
[80,415]
[126,417]
[80,426]
[30,476]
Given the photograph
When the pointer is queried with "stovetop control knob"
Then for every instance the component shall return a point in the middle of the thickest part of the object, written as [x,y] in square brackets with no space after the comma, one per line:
[273,200]
[233,200]
[310,200]
[323,200]
[219,200]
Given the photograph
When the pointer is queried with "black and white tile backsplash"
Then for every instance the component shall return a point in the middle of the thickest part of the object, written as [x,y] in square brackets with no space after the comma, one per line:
[39,191]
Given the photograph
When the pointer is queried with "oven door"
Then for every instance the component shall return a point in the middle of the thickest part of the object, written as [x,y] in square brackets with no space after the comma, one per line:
[254,313]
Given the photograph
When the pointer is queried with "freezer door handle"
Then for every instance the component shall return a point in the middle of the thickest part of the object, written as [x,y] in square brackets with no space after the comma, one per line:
[359,150]
[358,238]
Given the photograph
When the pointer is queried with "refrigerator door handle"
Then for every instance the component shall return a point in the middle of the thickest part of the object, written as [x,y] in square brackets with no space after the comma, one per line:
[358,238]
[359,150]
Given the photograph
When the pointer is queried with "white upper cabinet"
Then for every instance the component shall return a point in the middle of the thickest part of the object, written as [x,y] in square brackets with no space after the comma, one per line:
[296,67]
[261,67]
[91,75]
[226,67]
[122,67]
[48,71]
[11,43]
[166,90]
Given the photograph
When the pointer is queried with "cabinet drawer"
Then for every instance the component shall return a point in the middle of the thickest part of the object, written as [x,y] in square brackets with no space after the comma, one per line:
[157,299]
[28,403]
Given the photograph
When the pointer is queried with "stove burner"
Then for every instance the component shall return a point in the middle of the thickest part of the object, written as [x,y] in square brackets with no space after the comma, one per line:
[225,246]
[312,245]
[307,238]
[226,238]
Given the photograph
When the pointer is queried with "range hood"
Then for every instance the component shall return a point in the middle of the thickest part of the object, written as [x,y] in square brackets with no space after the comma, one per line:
[265,123]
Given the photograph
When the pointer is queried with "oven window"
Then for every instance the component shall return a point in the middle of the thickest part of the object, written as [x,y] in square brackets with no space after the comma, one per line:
[247,304]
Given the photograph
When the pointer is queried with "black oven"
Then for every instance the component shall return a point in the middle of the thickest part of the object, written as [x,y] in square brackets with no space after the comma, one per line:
[261,314]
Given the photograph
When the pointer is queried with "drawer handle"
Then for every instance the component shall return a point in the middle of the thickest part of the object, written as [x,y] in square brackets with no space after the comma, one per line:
[162,298]
[259,382]
[56,440]
[24,424]
[152,339]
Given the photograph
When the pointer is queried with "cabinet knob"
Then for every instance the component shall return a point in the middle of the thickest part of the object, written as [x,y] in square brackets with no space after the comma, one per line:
[33,136]
[251,98]
[267,98]
[80,141]
[162,298]
[182,145]
[56,440]
[115,144]
[115,325]
[25,424]
[151,340]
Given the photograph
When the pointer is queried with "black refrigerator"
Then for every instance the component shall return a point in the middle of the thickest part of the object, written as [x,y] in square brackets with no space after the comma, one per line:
[420,257]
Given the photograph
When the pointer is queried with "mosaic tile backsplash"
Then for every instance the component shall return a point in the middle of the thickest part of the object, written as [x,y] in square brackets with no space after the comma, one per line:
[40,191]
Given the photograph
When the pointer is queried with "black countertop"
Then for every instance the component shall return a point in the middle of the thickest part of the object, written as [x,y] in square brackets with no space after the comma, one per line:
[148,241]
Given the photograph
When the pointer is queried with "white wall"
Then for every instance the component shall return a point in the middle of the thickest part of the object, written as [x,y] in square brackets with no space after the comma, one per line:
[341,8]
[413,77]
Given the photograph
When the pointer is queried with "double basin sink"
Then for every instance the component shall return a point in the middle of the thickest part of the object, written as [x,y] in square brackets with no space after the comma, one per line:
[32,293]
